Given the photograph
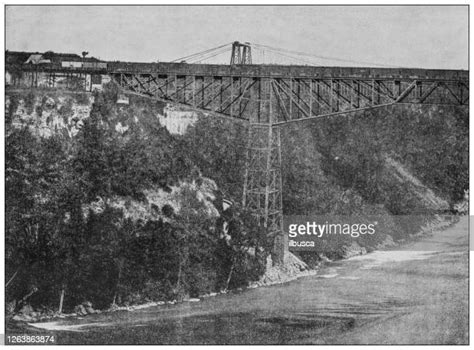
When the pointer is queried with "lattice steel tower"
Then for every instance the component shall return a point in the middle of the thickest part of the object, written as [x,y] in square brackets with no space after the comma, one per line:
[263,182]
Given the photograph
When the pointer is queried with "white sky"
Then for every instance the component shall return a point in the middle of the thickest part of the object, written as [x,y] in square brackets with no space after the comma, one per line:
[407,36]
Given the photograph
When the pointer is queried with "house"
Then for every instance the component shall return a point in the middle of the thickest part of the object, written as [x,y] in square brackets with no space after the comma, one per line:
[62,57]
[37,58]
[17,57]
[71,64]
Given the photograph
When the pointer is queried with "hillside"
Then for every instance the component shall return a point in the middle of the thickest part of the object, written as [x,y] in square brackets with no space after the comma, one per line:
[102,189]
[125,199]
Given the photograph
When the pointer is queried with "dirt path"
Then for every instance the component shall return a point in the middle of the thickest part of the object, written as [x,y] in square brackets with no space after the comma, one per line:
[417,294]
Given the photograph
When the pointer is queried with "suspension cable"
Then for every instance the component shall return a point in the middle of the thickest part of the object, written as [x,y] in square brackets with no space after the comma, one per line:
[318,56]
[192,56]
[291,57]
[213,55]
[218,50]
[201,53]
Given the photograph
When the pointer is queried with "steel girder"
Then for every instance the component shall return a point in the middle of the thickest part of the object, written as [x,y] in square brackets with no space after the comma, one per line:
[295,98]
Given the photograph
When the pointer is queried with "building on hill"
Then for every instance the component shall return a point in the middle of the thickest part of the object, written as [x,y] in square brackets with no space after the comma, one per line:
[22,57]
[57,57]
[78,79]
[37,59]
[17,57]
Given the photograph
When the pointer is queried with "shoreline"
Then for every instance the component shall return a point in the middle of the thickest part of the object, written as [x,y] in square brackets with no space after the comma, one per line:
[283,276]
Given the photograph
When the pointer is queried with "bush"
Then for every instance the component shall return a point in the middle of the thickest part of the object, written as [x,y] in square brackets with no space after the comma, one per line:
[82,98]
[12,108]
[66,109]
[30,100]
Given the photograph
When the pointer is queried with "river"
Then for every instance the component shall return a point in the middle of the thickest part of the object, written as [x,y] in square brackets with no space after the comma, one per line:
[416,294]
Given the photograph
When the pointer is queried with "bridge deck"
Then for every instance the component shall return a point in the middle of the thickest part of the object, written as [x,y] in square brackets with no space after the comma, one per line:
[289,93]
[276,71]
[264,71]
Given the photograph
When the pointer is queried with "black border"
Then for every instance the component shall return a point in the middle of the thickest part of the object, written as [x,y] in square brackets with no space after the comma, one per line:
[269,5]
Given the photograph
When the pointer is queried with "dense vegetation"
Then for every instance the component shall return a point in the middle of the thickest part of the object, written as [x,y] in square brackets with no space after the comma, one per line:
[338,166]
[431,140]
[56,244]
[350,152]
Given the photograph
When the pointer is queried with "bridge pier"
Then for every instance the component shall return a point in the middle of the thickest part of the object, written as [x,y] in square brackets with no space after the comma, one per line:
[263,182]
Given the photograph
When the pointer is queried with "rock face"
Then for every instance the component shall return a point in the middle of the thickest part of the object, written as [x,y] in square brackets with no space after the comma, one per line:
[84,309]
[177,121]
[386,243]
[49,113]
[352,250]
[462,208]
[292,268]
[159,201]
[425,196]
[26,310]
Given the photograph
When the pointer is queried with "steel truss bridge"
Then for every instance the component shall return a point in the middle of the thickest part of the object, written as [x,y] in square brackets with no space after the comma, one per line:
[268,97]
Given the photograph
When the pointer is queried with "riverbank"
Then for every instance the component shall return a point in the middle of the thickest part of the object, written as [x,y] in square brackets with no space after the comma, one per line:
[344,270]
[415,294]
